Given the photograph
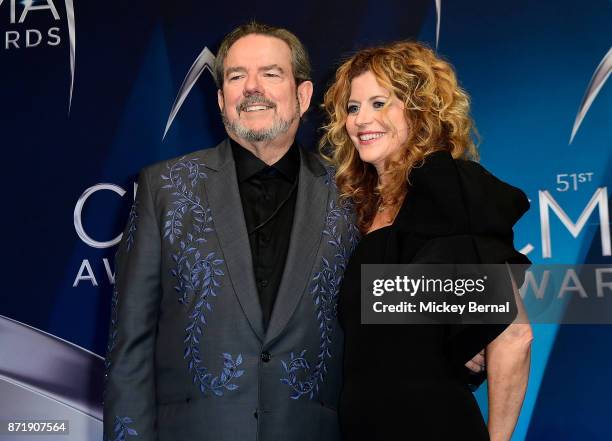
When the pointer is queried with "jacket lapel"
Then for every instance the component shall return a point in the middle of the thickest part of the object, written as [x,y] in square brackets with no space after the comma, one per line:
[306,235]
[226,207]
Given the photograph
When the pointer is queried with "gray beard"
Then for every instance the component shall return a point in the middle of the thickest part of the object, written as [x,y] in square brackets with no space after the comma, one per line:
[279,127]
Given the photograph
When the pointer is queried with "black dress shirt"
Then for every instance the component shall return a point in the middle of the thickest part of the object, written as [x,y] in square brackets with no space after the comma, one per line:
[268,195]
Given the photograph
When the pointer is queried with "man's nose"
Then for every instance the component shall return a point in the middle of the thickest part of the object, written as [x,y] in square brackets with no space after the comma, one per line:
[252,86]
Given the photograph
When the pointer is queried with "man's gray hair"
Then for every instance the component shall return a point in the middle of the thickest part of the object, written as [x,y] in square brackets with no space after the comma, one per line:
[300,61]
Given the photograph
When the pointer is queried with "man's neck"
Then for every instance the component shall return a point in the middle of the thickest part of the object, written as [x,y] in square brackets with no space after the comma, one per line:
[268,151]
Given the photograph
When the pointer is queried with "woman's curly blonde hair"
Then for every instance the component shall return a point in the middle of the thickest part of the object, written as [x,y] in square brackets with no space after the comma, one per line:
[437,111]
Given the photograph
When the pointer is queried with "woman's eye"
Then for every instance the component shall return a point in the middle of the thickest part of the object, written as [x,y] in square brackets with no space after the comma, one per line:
[352,108]
[378,104]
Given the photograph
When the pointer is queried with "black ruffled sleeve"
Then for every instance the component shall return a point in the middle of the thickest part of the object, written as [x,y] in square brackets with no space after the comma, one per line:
[457,212]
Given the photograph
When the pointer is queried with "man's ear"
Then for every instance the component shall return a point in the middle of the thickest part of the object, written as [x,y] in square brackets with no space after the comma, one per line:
[220,100]
[304,94]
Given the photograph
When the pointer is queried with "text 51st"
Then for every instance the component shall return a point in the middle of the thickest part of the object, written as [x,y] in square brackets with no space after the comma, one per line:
[571,181]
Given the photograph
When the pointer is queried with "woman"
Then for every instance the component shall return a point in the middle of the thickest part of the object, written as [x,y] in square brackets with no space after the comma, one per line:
[400,136]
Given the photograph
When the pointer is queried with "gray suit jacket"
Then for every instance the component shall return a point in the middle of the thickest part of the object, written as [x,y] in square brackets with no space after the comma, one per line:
[188,358]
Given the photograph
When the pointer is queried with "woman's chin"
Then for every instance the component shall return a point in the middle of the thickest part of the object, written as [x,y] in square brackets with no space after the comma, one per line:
[369,159]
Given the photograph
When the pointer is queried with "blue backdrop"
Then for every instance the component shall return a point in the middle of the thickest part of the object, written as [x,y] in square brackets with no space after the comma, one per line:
[72,158]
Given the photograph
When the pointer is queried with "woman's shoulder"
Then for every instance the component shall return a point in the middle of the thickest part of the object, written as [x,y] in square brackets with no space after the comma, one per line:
[458,196]
[440,166]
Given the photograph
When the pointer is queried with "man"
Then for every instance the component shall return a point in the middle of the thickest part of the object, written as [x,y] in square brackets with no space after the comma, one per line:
[224,321]
[224,315]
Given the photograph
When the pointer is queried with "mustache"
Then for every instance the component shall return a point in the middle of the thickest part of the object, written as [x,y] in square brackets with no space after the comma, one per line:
[254,99]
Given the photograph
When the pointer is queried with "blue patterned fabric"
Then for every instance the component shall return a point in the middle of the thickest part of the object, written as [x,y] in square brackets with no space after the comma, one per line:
[197,277]
[304,378]
[122,429]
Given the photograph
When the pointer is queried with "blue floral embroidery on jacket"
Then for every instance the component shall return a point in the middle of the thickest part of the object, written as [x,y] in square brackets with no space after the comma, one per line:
[112,330]
[131,226]
[197,276]
[302,377]
[204,276]
[183,177]
[121,429]
[112,335]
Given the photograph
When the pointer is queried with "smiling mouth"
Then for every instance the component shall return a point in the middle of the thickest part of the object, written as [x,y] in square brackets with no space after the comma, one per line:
[255,108]
[370,137]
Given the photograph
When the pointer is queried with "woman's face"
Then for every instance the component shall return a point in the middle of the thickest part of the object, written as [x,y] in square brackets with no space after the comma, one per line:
[377,135]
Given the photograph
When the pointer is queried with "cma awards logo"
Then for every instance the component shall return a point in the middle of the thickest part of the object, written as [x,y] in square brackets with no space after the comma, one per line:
[548,204]
[86,272]
[25,31]
[573,181]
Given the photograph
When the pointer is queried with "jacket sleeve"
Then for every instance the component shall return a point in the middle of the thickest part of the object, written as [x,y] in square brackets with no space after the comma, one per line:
[460,213]
[130,398]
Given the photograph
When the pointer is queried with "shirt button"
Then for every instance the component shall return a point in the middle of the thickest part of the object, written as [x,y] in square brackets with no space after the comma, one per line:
[255,414]
[265,356]
[262,283]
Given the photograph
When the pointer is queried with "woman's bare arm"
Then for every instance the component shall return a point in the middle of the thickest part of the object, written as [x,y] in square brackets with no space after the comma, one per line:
[508,359]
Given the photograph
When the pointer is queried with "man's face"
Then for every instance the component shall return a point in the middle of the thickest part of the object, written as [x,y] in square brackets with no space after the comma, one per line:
[259,101]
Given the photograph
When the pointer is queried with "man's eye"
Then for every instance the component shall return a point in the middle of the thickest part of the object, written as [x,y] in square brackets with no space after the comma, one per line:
[353,108]
[234,77]
[271,75]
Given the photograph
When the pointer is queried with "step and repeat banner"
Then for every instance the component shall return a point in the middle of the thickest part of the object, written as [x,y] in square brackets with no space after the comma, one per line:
[91,92]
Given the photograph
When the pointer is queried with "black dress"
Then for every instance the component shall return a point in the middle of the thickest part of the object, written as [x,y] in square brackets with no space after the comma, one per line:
[408,382]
